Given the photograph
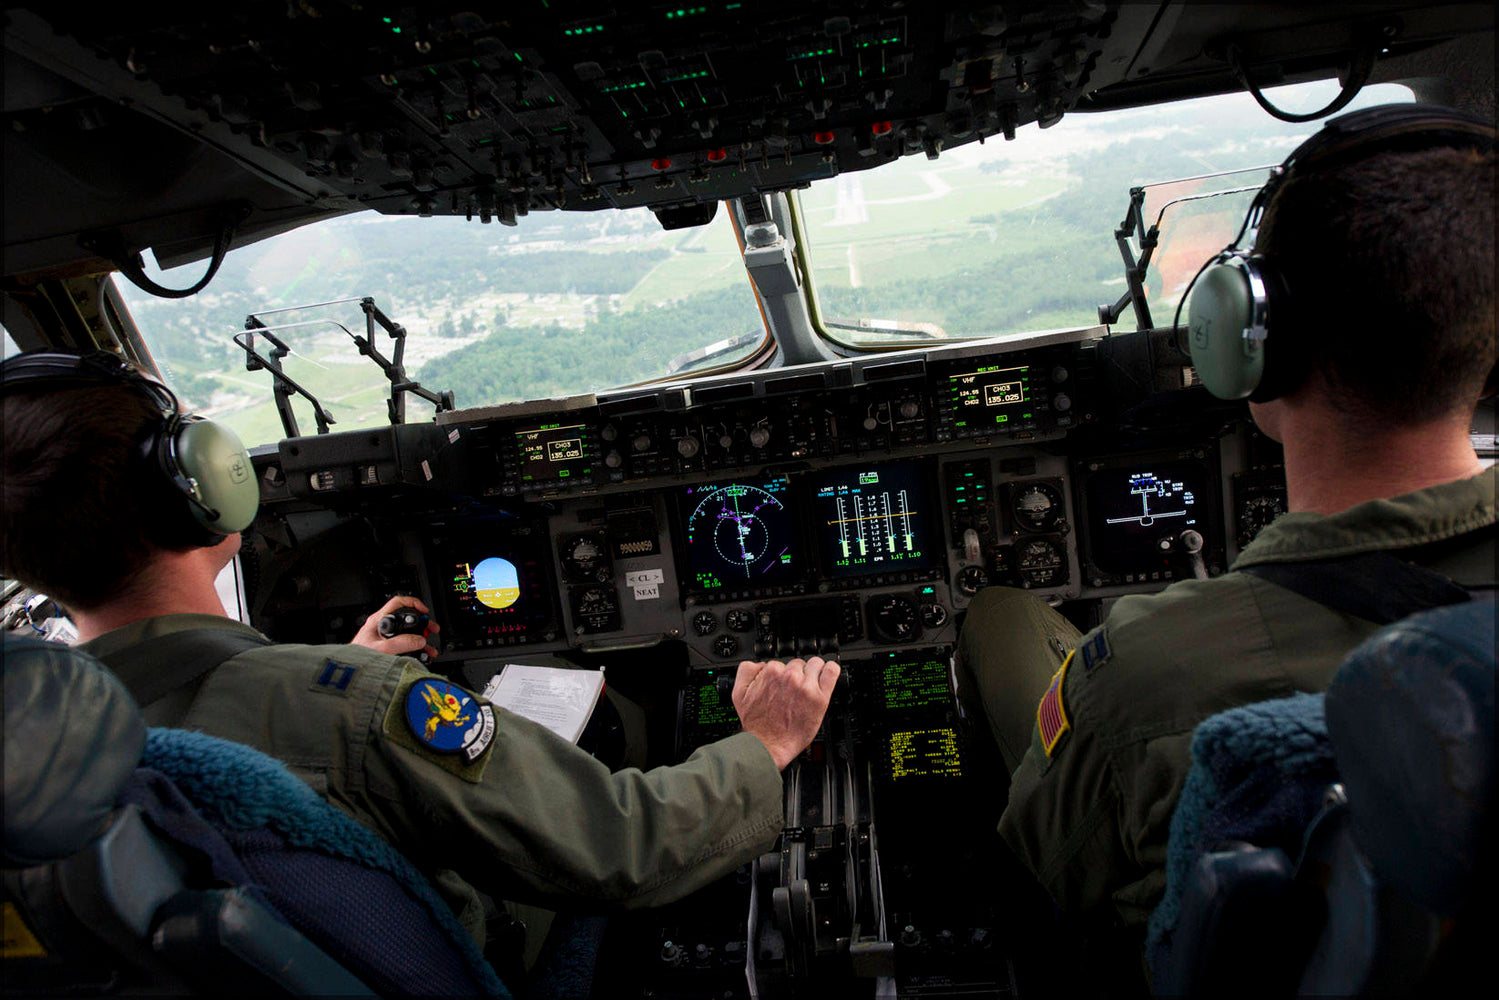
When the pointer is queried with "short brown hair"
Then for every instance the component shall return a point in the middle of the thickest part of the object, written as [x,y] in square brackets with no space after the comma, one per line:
[83,511]
[1389,268]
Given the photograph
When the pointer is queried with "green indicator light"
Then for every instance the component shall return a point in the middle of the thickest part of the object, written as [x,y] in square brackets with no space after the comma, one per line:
[733,6]
[518,57]
[396,30]
[385,19]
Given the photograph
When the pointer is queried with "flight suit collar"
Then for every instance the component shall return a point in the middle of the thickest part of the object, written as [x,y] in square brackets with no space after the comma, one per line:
[146,629]
[1431,515]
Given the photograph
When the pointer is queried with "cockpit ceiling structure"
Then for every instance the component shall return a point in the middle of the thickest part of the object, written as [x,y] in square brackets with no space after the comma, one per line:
[166,125]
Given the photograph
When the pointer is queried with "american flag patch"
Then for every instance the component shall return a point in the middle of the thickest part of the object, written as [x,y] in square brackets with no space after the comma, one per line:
[1051,714]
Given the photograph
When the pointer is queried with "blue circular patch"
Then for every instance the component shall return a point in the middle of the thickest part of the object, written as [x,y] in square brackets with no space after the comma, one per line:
[442,715]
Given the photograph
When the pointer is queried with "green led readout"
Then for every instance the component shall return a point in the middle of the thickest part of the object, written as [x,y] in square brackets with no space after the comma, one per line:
[989,395]
[712,708]
[588,29]
[919,684]
[924,753]
[681,12]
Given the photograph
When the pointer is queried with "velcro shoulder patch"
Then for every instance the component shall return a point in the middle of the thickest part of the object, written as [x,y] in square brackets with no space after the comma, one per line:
[1051,713]
[441,721]
[1096,651]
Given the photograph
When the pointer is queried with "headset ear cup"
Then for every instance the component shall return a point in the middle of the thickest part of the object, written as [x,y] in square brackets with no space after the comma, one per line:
[211,467]
[1221,310]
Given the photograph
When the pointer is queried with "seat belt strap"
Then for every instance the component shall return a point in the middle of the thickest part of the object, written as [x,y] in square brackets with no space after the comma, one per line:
[1374,586]
[175,660]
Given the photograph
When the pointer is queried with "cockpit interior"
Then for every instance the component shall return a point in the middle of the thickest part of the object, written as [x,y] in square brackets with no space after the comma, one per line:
[799,495]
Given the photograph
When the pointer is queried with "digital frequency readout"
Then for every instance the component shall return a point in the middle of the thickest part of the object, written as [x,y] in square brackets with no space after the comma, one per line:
[918,684]
[988,396]
[924,753]
[553,451]
[873,520]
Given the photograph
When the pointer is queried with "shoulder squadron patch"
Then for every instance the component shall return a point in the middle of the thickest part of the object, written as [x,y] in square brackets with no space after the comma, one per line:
[1096,651]
[445,718]
[1051,714]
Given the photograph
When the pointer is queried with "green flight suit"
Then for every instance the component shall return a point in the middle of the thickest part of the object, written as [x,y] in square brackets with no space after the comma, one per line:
[1092,817]
[533,818]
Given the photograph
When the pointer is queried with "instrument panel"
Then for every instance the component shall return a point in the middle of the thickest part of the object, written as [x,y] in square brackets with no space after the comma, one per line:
[832,509]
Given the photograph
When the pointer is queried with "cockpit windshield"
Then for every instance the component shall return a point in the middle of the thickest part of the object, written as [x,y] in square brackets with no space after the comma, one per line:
[1014,237]
[1004,237]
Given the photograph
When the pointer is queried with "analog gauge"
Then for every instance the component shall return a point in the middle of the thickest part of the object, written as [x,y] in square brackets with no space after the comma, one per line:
[894,617]
[595,609]
[739,620]
[933,615]
[1037,506]
[583,558]
[1255,513]
[705,623]
[972,579]
[1041,562]
[725,646]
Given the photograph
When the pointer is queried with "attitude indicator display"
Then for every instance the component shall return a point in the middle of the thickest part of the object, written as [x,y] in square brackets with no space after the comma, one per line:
[740,535]
[493,584]
[874,520]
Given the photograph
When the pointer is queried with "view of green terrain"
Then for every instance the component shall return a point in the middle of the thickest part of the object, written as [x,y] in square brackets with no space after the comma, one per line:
[985,240]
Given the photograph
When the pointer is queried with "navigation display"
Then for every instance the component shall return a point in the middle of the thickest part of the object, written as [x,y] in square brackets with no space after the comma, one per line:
[554,452]
[1131,509]
[991,396]
[739,535]
[494,585]
[874,520]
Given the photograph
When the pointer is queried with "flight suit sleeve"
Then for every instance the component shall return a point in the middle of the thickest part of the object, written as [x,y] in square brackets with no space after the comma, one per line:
[533,818]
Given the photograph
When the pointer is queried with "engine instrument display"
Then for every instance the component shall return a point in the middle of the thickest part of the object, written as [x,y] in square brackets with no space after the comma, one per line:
[875,520]
[993,397]
[740,535]
[494,584]
[1131,510]
[554,452]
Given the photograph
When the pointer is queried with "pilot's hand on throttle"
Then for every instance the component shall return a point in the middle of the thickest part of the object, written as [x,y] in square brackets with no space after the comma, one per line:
[782,704]
[397,645]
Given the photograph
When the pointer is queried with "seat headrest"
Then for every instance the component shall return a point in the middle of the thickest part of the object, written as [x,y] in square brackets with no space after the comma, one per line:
[1411,717]
[73,735]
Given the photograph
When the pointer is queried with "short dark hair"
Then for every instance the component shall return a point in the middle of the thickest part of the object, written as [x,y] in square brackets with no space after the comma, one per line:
[1389,266]
[83,511]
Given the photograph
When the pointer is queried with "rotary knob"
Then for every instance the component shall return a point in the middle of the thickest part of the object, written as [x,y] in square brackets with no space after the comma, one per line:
[870,423]
[759,436]
[688,446]
[910,409]
[726,441]
[609,432]
[1061,402]
[642,442]
[614,460]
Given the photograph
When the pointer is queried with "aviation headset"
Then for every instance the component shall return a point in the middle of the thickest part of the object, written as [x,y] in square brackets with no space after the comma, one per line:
[199,460]
[1236,330]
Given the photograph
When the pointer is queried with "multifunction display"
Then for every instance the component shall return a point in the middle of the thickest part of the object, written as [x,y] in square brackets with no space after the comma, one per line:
[990,397]
[908,684]
[740,536]
[495,587]
[554,452]
[1131,510]
[924,753]
[874,520]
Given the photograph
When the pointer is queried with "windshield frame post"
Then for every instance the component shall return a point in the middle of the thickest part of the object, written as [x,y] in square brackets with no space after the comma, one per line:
[771,263]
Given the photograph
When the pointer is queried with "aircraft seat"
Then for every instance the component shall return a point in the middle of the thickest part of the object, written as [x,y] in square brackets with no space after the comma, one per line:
[138,861]
[1391,888]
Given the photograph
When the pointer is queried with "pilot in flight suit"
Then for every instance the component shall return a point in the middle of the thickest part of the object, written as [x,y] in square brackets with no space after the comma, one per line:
[1091,801]
[514,808]
[469,793]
